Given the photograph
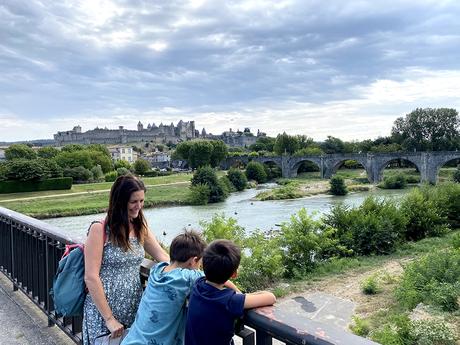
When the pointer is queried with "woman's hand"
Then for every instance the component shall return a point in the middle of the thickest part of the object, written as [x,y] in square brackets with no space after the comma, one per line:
[116,329]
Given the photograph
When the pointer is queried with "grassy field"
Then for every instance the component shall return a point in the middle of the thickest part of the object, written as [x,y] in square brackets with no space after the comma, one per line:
[94,197]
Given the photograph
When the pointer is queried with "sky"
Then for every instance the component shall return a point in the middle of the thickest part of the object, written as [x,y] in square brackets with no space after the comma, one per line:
[317,68]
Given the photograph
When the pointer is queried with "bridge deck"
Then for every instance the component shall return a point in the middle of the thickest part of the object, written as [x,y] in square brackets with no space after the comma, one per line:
[22,323]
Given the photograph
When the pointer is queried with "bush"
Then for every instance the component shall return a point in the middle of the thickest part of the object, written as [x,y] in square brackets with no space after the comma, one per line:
[141,166]
[433,279]
[374,227]
[429,332]
[369,286]
[456,175]
[78,174]
[360,326]
[226,185]
[32,186]
[237,178]
[124,171]
[97,173]
[423,216]
[338,185]
[199,194]
[396,332]
[255,171]
[111,176]
[446,197]
[261,264]
[222,228]
[397,181]
[25,170]
[152,173]
[207,175]
[301,240]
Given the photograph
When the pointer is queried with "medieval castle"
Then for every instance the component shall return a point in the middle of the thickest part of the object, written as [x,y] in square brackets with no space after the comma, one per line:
[161,134]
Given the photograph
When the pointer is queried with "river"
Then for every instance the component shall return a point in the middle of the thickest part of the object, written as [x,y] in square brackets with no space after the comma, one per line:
[166,222]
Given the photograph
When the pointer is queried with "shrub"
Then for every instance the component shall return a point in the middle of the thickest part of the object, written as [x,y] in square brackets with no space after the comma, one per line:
[141,166]
[255,171]
[301,242]
[261,264]
[456,175]
[428,332]
[124,171]
[226,185]
[396,332]
[446,197]
[97,173]
[111,176]
[237,178]
[79,174]
[374,227]
[152,173]
[199,194]
[397,181]
[222,228]
[338,185]
[207,175]
[58,183]
[360,326]
[25,170]
[433,279]
[423,216]
[369,286]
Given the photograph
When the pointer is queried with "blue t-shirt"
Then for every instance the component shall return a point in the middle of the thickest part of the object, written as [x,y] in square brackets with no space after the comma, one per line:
[211,314]
[160,319]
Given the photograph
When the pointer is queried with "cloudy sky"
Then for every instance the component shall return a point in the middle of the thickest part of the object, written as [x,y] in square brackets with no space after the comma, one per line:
[330,67]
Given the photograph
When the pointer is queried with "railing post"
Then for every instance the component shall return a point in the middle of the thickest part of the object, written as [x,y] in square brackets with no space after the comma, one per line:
[13,263]
[263,338]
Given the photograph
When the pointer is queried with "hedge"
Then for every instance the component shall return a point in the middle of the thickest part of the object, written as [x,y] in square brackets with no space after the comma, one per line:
[33,186]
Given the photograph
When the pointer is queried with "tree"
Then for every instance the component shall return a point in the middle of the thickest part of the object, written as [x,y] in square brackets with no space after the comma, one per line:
[219,152]
[428,129]
[255,171]
[338,186]
[333,145]
[47,152]
[72,148]
[200,153]
[286,143]
[237,178]
[141,166]
[263,144]
[19,151]
[207,176]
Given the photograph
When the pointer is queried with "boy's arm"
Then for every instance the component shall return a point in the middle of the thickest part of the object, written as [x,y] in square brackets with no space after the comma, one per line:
[232,286]
[259,299]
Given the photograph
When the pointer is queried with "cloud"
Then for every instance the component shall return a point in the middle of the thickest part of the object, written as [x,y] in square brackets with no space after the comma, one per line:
[255,62]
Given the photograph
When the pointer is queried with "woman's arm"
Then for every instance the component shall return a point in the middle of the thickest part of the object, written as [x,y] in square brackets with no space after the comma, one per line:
[94,247]
[153,248]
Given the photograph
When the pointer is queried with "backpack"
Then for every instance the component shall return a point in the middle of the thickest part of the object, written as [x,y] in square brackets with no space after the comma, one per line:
[69,289]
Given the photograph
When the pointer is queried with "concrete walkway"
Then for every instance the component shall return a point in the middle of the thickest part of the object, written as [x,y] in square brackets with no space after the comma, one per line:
[22,323]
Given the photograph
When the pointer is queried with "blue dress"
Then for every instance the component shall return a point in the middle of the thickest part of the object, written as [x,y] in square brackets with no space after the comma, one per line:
[120,278]
[161,317]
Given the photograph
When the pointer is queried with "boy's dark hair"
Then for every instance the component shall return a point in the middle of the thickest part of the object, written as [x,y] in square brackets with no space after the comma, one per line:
[186,245]
[220,260]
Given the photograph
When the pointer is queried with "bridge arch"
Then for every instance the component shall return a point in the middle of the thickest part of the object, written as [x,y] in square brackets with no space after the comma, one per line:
[381,165]
[337,164]
[440,163]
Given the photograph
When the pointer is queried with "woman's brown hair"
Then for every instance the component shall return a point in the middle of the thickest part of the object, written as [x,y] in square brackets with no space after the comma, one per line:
[117,214]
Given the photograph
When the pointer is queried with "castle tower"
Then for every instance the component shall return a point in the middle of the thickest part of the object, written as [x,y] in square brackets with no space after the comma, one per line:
[140,126]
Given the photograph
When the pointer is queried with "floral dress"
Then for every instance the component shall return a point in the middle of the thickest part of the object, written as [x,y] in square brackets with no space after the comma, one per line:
[120,278]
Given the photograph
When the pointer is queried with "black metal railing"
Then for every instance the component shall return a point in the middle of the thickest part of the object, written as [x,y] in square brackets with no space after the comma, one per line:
[30,251]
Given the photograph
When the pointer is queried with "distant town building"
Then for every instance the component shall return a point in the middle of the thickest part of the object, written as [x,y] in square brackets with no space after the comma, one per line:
[123,153]
[237,138]
[161,134]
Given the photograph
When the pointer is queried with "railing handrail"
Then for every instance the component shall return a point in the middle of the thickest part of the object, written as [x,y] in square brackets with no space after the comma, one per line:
[32,265]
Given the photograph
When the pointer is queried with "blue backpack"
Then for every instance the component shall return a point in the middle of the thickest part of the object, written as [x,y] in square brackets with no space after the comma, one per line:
[69,289]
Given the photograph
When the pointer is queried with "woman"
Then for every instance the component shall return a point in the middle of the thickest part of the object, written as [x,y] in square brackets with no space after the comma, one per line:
[113,255]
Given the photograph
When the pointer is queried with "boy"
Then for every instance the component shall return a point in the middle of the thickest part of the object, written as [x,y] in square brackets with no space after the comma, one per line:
[214,308]
[160,319]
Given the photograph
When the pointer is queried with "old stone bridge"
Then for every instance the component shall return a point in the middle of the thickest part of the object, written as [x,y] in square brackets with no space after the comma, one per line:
[427,163]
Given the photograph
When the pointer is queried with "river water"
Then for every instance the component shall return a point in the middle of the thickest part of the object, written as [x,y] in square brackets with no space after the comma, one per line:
[166,222]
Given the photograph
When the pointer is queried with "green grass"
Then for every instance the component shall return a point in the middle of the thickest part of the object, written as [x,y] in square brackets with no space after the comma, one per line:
[71,205]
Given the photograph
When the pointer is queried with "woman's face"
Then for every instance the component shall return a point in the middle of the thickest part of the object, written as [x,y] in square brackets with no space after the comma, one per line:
[135,204]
